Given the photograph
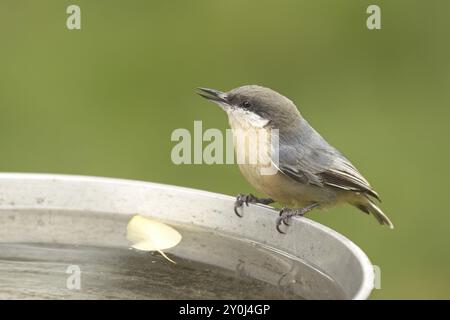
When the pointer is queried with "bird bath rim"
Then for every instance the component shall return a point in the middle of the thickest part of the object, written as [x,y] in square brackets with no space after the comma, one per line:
[305,239]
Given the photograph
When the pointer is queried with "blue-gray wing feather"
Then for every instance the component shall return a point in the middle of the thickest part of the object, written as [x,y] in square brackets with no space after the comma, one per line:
[309,159]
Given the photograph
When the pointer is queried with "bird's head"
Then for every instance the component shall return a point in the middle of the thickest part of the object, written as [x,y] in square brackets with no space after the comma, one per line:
[258,106]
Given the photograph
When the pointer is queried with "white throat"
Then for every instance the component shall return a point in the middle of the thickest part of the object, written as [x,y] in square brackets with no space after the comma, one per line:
[245,119]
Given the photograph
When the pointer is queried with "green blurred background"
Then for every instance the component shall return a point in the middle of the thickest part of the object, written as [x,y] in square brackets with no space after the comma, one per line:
[105,99]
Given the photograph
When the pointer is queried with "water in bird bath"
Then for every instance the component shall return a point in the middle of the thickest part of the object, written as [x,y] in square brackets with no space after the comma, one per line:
[41,252]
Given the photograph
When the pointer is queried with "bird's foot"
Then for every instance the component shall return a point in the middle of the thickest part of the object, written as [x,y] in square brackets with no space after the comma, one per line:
[242,199]
[286,215]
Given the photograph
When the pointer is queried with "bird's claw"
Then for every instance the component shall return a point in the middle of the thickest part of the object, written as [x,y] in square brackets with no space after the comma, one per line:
[286,215]
[246,199]
[242,199]
[283,218]
[278,224]
[236,206]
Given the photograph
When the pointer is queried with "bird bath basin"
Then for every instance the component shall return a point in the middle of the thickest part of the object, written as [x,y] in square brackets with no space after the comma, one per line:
[64,237]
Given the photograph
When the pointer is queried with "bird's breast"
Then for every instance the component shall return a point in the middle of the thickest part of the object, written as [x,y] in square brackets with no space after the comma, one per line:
[252,142]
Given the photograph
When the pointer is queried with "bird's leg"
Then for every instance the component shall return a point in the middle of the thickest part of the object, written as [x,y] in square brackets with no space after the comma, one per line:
[286,214]
[242,199]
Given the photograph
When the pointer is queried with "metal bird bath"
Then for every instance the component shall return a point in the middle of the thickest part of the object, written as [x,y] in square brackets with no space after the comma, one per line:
[55,227]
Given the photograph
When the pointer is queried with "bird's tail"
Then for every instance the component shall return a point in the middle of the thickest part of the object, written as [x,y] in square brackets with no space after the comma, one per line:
[370,207]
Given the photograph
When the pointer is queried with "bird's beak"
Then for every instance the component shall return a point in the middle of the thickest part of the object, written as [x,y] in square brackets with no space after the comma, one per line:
[215,96]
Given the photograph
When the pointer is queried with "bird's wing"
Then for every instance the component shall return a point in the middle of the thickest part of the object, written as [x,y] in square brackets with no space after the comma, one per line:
[343,175]
[296,164]
[322,166]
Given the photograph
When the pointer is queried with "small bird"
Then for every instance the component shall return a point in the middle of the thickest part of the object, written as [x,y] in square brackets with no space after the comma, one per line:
[310,173]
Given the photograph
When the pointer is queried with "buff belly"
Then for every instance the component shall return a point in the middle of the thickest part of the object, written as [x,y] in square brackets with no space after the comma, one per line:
[287,191]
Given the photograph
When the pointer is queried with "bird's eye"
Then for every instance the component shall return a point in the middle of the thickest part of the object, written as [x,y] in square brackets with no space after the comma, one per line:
[246,104]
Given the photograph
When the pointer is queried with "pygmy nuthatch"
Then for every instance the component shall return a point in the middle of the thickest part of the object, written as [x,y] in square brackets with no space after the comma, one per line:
[310,172]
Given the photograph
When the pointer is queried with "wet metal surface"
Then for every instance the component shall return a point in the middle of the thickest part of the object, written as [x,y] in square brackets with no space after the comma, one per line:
[209,265]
